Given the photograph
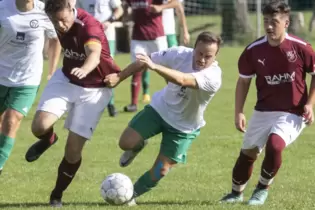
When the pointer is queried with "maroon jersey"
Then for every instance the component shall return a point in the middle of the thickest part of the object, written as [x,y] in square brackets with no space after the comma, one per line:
[84,31]
[280,73]
[147,25]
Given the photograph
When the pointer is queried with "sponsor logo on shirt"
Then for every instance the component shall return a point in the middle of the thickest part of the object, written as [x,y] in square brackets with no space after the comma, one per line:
[74,55]
[34,24]
[139,5]
[280,78]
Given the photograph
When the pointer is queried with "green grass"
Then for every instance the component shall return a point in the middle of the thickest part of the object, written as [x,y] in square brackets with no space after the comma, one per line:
[199,184]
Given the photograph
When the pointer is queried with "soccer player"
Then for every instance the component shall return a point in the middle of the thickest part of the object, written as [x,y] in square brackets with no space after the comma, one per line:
[168,19]
[23,25]
[105,11]
[147,37]
[280,62]
[77,88]
[177,110]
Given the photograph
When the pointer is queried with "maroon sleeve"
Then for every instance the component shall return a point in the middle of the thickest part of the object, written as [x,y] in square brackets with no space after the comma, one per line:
[157,2]
[245,66]
[92,32]
[309,59]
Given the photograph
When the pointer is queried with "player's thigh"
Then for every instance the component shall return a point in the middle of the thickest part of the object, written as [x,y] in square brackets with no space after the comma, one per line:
[288,126]
[4,92]
[147,123]
[57,95]
[137,46]
[171,40]
[257,132]
[175,143]
[21,99]
[87,111]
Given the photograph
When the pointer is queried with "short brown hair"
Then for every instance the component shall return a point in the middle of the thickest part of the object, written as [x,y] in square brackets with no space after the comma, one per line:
[54,6]
[276,7]
[209,38]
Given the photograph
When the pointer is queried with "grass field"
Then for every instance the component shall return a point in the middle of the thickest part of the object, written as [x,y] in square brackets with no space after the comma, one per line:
[199,184]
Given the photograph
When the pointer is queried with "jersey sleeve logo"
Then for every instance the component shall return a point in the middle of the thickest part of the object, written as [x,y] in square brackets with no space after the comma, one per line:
[291,56]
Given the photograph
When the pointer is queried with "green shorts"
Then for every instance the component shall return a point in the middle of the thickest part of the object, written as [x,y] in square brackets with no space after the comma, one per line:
[112,47]
[20,99]
[171,40]
[175,143]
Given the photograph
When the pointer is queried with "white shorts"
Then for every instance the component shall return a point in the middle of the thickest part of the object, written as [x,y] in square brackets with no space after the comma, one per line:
[288,126]
[110,33]
[147,47]
[85,105]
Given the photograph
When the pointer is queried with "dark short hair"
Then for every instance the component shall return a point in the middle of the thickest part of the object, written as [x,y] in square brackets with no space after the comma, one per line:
[276,7]
[54,6]
[209,38]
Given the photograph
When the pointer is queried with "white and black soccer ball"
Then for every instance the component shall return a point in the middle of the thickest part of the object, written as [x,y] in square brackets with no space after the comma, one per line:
[117,189]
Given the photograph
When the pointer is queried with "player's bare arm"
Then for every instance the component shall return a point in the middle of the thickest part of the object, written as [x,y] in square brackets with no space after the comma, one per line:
[53,55]
[308,108]
[93,52]
[117,13]
[112,80]
[168,5]
[241,92]
[182,20]
[170,75]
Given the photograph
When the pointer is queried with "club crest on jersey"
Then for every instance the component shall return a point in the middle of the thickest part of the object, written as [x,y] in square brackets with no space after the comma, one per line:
[34,24]
[291,56]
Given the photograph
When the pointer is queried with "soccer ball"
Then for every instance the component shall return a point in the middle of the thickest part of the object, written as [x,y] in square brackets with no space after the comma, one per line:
[117,189]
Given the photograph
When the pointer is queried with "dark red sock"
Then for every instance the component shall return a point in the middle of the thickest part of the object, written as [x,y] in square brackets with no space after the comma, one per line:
[272,161]
[66,173]
[135,87]
[242,171]
[49,136]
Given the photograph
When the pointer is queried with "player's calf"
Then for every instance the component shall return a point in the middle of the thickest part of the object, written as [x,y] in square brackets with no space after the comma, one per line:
[150,179]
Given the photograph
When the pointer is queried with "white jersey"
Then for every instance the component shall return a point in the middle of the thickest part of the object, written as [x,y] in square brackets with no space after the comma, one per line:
[168,20]
[22,36]
[102,10]
[181,107]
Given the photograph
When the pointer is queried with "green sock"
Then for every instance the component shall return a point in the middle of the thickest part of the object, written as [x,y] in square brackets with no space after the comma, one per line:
[145,82]
[6,145]
[144,184]
[111,102]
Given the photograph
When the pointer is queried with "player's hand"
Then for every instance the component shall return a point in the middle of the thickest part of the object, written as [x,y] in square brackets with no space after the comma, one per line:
[240,122]
[49,76]
[155,8]
[112,80]
[308,114]
[106,24]
[78,72]
[146,60]
[186,38]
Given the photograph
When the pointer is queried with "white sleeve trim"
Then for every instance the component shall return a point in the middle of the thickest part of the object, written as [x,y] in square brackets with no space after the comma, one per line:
[247,76]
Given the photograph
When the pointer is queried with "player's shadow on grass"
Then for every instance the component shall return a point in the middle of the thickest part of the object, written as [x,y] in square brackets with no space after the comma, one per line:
[42,204]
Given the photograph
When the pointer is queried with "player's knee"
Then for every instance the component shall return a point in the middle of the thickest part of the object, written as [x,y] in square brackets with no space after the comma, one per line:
[11,121]
[275,144]
[252,153]
[129,139]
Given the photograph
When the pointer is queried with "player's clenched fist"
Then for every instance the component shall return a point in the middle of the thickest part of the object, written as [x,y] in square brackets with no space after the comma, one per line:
[112,80]
[240,122]
[78,72]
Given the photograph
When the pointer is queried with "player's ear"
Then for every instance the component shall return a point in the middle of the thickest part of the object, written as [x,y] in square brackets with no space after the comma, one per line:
[287,21]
